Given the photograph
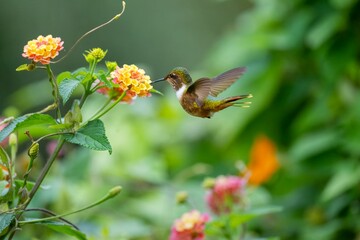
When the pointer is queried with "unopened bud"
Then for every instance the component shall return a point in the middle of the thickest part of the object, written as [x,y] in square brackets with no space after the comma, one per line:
[111,66]
[13,139]
[95,55]
[33,150]
[31,66]
[208,183]
[181,197]
[23,195]
[114,191]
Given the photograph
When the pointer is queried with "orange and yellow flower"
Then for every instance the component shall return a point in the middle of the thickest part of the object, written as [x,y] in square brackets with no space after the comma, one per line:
[129,79]
[263,161]
[190,226]
[43,49]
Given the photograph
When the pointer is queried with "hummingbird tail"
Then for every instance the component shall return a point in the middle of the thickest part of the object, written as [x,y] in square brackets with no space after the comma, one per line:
[232,101]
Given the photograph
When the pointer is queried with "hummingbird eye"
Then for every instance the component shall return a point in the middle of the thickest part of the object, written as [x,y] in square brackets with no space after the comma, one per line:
[173,75]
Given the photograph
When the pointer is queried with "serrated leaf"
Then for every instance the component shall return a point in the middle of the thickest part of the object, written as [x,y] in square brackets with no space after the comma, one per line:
[25,121]
[11,127]
[92,136]
[67,87]
[64,228]
[62,76]
[5,220]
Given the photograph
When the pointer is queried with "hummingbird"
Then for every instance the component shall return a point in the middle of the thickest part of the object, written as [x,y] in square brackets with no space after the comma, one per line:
[198,98]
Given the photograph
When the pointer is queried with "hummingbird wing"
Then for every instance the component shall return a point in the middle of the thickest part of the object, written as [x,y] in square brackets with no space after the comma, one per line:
[201,88]
[224,80]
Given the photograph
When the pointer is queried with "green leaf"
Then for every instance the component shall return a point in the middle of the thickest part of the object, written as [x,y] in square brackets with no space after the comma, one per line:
[11,127]
[346,177]
[324,29]
[64,228]
[102,78]
[156,91]
[62,76]
[92,136]
[22,67]
[4,157]
[26,121]
[5,221]
[67,87]
[237,219]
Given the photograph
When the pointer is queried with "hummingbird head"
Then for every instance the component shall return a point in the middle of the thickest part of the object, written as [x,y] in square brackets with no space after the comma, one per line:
[178,77]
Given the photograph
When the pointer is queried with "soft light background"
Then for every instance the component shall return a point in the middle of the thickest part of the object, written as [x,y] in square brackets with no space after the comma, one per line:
[303,60]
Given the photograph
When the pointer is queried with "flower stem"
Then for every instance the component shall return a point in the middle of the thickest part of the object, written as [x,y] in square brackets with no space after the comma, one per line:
[102,113]
[93,30]
[55,91]
[112,193]
[46,168]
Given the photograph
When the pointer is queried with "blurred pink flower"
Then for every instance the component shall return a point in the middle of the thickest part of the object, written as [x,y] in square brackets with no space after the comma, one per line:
[227,191]
[190,226]
[51,146]
[43,49]
[4,142]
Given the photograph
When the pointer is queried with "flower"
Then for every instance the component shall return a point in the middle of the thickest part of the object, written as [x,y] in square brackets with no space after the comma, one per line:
[4,142]
[263,161]
[227,191]
[43,49]
[129,79]
[190,226]
[4,180]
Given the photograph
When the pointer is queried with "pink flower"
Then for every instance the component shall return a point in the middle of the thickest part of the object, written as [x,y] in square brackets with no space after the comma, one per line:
[227,191]
[43,49]
[190,226]
[4,142]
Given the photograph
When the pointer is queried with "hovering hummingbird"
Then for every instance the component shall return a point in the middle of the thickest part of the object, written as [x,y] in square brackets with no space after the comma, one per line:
[197,98]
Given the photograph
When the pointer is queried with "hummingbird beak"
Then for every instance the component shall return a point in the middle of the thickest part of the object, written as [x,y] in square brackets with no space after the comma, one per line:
[158,80]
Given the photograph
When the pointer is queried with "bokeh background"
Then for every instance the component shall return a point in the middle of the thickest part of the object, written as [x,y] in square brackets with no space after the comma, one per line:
[303,68]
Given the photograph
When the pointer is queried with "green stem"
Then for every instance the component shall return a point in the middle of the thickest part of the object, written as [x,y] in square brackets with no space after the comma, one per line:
[52,214]
[112,193]
[101,109]
[110,107]
[46,169]
[55,91]
[117,16]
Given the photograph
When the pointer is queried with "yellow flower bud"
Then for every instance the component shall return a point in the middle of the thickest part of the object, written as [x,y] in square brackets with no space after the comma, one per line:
[181,197]
[111,66]
[95,55]
[208,183]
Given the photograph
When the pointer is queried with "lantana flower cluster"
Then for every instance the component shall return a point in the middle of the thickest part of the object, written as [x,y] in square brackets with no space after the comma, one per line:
[226,193]
[43,49]
[130,80]
[190,226]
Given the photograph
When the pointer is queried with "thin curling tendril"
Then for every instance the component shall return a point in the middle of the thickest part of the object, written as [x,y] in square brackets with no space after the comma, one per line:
[117,16]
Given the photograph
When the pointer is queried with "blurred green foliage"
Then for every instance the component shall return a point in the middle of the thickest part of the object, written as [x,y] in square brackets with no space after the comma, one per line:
[303,68]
